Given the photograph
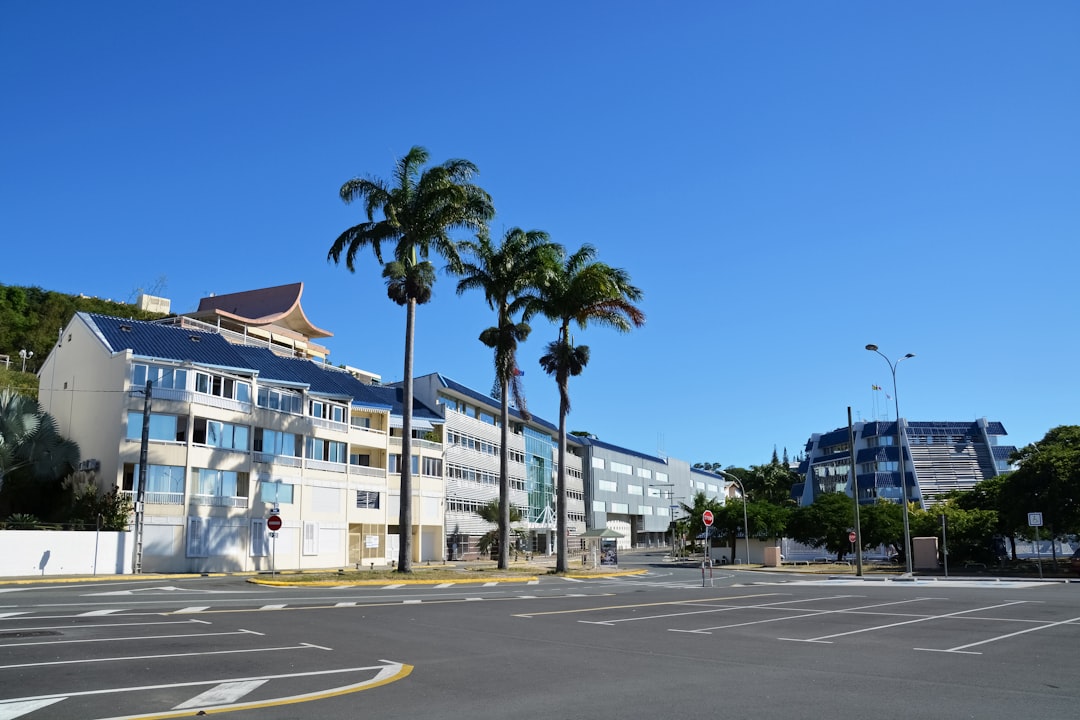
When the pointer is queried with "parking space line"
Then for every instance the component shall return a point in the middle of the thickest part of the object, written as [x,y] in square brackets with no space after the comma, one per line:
[828,638]
[809,612]
[301,646]
[668,603]
[124,639]
[963,648]
[194,609]
[96,613]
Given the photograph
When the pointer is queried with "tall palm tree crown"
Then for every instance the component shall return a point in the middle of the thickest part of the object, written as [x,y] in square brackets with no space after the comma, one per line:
[510,275]
[582,290]
[418,212]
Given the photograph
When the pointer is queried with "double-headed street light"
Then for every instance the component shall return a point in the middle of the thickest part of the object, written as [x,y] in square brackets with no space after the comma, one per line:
[25,355]
[746,525]
[899,452]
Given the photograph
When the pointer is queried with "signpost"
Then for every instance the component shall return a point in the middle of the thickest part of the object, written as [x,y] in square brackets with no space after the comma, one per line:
[707,518]
[273,524]
[1035,521]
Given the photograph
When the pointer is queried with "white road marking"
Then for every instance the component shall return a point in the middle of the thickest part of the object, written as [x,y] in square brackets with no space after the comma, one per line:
[534,582]
[805,613]
[124,639]
[110,625]
[228,692]
[489,584]
[828,638]
[12,614]
[12,710]
[345,604]
[301,646]
[962,648]
[393,587]
[95,613]
[412,602]
[273,607]
[194,609]
[443,585]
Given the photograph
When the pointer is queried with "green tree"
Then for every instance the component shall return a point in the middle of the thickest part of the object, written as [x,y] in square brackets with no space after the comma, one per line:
[90,508]
[418,212]
[1047,481]
[509,274]
[34,458]
[968,533]
[695,512]
[581,290]
[824,523]
[492,513]
[770,482]
[882,523]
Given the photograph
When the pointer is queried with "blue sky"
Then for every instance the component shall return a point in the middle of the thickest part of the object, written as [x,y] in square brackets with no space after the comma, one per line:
[785,181]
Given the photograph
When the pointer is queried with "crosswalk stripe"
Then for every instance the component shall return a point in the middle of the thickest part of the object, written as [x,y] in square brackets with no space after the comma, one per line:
[96,613]
[193,609]
[393,587]
[444,585]
[345,604]
[12,710]
[272,607]
[489,584]
[222,694]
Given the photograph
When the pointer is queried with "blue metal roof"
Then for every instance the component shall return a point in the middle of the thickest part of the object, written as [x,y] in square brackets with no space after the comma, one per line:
[163,342]
[496,405]
[1002,452]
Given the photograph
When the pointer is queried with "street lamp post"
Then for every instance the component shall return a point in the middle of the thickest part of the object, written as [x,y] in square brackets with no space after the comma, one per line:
[746,525]
[899,452]
[25,355]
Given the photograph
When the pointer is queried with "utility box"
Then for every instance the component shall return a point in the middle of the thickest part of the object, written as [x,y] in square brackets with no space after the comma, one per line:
[925,554]
[772,557]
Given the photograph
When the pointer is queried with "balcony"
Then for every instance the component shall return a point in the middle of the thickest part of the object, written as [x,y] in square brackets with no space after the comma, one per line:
[329,424]
[395,443]
[365,471]
[325,465]
[157,498]
[283,460]
[219,501]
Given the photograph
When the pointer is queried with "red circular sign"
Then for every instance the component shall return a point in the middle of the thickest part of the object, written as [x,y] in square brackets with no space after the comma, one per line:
[273,522]
[851,536]
[707,517]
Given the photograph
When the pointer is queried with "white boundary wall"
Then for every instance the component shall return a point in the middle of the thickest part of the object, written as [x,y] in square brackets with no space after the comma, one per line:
[46,552]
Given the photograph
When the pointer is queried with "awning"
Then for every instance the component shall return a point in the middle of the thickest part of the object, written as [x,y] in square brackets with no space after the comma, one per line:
[605,533]
[417,423]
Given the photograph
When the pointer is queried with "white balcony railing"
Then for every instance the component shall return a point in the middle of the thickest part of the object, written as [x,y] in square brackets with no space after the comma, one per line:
[219,501]
[365,471]
[329,424]
[271,459]
[158,498]
[325,465]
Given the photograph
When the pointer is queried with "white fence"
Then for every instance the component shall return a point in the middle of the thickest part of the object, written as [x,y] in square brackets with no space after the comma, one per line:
[39,553]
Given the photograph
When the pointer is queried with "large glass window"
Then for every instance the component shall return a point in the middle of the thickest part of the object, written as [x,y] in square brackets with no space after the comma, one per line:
[220,483]
[159,478]
[277,443]
[161,376]
[276,492]
[395,463]
[162,427]
[328,450]
[277,399]
[621,468]
[220,434]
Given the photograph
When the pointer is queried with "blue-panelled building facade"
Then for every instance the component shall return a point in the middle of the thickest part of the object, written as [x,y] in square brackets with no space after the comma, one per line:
[934,458]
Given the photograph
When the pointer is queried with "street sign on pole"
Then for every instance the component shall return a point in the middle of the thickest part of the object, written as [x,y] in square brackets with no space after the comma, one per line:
[707,518]
[273,523]
[1035,519]
[851,536]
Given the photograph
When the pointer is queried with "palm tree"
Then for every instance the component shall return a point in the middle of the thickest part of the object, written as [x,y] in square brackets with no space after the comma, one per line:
[582,290]
[418,211]
[510,275]
[492,513]
[34,457]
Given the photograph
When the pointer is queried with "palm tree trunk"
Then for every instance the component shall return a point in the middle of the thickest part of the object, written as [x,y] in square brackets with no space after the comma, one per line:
[504,478]
[560,522]
[405,511]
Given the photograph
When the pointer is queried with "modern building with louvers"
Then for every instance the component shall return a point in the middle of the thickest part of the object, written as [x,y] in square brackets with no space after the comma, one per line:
[938,458]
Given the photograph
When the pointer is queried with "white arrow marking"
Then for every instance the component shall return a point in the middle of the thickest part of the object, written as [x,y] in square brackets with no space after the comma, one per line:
[228,692]
[12,710]
[12,614]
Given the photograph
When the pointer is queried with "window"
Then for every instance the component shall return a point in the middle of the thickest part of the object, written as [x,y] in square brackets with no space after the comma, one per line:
[360,421]
[608,485]
[311,538]
[276,443]
[160,376]
[220,434]
[222,386]
[661,477]
[220,483]
[621,468]
[663,511]
[620,508]
[283,400]
[598,463]
[646,510]
[431,466]
[361,459]
[367,499]
[487,417]
[162,427]
[598,506]
[328,450]
[159,478]
[654,492]
[644,473]
[276,492]
[395,464]
[633,489]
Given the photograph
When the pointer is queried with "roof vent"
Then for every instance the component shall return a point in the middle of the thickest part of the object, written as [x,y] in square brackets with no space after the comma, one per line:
[125,328]
[195,338]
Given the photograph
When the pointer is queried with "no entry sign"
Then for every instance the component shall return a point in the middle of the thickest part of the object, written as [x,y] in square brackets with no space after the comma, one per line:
[273,523]
[707,518]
